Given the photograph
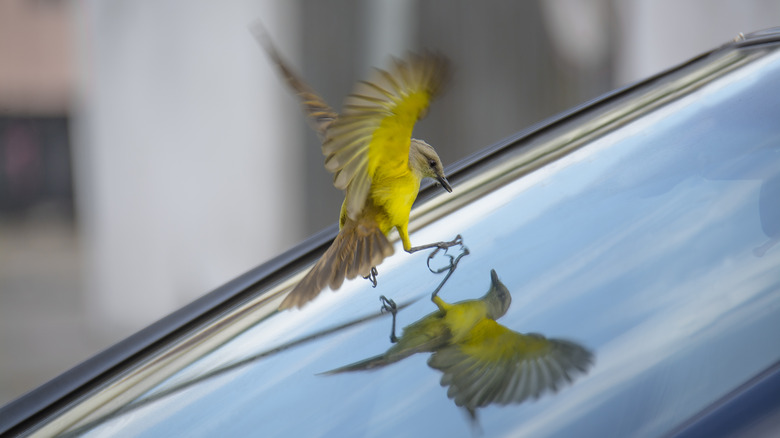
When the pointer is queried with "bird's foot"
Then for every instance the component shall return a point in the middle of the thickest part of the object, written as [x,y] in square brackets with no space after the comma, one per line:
[453,260]
[452,263]
[372,276]
[389,305]
[458,240]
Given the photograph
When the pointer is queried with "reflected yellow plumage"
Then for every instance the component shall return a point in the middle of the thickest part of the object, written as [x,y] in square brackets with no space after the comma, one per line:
[482,361]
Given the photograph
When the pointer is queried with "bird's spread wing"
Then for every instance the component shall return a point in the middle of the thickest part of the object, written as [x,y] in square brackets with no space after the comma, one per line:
[319,113]
[375,126]
[497,365]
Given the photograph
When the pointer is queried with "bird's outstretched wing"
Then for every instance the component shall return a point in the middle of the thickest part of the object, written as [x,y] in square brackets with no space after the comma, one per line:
[375,127]
[497,365]
[319,113]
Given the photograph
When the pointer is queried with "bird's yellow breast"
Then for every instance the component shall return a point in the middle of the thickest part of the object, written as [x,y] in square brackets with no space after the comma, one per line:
[393,195]
[461,318]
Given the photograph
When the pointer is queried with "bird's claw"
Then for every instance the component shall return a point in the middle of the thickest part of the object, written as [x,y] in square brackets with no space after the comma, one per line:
[449,268]
[453,259]
[388,305]
[372,276]
[458,240]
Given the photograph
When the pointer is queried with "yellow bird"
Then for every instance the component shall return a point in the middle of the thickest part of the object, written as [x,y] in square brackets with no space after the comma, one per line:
[369,149]
[483,362]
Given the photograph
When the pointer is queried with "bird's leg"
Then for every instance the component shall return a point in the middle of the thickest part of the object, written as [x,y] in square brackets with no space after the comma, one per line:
[458,240]
[372,276]
[388,305]
[450,268]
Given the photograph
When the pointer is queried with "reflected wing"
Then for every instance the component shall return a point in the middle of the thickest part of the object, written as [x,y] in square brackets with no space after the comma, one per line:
[498,365]
[375,127]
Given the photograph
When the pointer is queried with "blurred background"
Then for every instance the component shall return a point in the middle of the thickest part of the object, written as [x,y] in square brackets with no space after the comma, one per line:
[149,152]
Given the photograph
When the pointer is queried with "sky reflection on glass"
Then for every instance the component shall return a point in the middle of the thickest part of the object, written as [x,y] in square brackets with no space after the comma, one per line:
[640,246]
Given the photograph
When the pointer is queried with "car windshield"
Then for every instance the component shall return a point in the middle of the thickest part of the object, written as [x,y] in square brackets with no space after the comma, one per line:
[640,233]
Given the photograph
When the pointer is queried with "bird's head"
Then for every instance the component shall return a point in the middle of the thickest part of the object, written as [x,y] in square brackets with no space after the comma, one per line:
[424,161]
[497,298]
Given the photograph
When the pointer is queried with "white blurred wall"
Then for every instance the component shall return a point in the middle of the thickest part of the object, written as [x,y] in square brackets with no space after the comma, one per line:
[389,28]
[658,34]
[185,151]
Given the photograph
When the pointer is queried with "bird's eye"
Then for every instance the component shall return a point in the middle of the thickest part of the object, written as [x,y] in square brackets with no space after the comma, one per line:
[432,163]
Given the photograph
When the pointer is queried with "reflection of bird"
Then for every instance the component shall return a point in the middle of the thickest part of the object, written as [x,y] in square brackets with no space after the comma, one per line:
[484,362]
[369,149]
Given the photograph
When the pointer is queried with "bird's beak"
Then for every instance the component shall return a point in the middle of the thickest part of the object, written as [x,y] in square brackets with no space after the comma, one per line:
[494,278]
[499,291]
[444,183]
[495,283]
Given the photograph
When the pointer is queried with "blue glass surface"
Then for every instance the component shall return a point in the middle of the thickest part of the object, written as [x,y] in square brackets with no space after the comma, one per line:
[652,246]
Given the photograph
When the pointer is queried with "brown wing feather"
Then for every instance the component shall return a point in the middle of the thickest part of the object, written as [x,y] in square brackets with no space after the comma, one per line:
[319,113]
[525,366]
[357,248]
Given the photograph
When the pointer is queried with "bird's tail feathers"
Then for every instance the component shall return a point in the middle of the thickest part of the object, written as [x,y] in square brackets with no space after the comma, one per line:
[393,355]
[356,249]
[363,365]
